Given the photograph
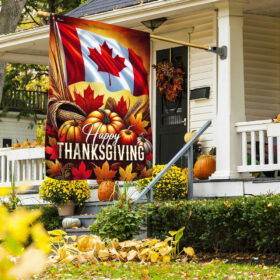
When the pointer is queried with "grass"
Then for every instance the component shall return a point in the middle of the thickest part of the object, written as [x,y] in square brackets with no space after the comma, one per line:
[215,269]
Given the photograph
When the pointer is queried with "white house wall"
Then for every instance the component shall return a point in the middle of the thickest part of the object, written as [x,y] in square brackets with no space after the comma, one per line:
[16,130]
[197,28]
[261,66]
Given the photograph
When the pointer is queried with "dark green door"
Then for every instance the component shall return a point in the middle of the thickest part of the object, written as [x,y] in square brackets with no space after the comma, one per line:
[171,116]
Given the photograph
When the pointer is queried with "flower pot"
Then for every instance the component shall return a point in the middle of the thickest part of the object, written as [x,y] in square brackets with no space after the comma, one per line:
[66,209]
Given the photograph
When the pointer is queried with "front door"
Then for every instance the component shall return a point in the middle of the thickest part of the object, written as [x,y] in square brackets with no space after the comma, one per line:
[171,117]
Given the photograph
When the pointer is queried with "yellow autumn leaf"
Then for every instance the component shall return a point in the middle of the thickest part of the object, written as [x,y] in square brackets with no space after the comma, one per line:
[154,256]
[57,232]
[4,191]
[172,233]
[137,124]
[127,175]
[165,250]
[103,255]
[166,259]
[131,255]
[104,173]
[40,238]
[189,251]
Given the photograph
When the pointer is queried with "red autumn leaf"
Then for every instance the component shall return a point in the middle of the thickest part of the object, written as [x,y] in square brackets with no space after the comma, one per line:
[105,61]
[50,131]
[52,149]
[88,103]
[149,156]
[121,107]
[81,173]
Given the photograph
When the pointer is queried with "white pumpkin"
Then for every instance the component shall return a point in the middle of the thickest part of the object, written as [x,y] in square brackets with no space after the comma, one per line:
[71,222]
[145,143]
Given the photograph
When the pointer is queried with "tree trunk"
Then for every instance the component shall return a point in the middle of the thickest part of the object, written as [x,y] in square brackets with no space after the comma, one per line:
[10,14]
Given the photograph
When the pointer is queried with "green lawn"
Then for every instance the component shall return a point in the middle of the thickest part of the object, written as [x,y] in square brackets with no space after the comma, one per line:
[214,269]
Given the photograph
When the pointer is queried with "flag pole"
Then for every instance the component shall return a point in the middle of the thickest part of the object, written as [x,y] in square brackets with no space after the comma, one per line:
[221,51]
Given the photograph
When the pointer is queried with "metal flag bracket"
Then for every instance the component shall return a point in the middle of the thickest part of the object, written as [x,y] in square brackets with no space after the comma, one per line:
[221,51]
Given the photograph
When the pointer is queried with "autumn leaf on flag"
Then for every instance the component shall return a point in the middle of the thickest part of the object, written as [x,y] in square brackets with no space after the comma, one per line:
[52,149]
[50,131]
[104,173]
[137,124]
[81,173]
[127,175]
[146,173]
[89,103]
[121,107]
[105,61]
[54,168]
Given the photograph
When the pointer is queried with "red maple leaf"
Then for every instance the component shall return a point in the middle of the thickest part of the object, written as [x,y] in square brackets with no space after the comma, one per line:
[50,131]
[52,149]
[81,173]
[121,107]
[105,61]
[88,103]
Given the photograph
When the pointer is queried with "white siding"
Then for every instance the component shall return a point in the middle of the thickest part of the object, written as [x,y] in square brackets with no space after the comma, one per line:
[203,74]
[198,28]
[261,66]
[16,130]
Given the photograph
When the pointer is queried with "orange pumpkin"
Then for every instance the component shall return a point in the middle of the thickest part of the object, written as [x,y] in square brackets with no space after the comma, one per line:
[204,167]
[35,144]
[127,137]
[16,145]
[103,121]
[107,191]
[25,144]
[72,131]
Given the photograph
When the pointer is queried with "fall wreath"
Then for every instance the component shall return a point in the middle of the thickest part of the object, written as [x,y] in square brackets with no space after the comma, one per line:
[170,80]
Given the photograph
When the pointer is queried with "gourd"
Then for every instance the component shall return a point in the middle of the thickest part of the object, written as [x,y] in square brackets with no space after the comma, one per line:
[204,167]
[72,131]
[71,222]
[107,191]
[127,137]
[145,143]
[16,145]
[189,135]
[103,121]
[25,144]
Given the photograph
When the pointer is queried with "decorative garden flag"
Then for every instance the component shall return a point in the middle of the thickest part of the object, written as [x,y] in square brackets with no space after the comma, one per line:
[98,124]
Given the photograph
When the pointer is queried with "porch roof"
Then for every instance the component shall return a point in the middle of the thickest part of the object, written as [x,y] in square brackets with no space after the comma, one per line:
[93,7]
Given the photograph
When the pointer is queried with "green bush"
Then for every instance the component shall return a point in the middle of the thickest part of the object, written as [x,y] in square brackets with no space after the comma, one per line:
[49,217]
[221,225]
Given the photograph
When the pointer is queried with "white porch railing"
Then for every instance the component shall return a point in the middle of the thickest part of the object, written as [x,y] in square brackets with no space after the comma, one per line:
[260,146]
[22,165]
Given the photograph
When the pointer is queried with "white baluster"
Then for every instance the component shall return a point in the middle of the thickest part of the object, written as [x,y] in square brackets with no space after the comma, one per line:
[35,170]
[29,170]
[40,169]
[253,148]
[23,170]
[261,147]
[278,149]
[270,150]
[2,175]
[17,166]
[8,171]
[244,148]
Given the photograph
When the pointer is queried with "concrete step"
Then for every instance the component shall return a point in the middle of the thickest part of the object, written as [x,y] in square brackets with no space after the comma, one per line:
[93,207]
[77,231]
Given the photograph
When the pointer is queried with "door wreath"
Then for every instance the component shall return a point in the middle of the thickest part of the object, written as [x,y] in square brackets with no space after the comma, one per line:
[169,80]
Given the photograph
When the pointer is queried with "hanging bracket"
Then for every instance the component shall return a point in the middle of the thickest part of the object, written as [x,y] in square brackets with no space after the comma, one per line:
[222,51]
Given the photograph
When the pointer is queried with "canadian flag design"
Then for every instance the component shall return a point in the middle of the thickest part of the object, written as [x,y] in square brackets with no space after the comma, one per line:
[94,58]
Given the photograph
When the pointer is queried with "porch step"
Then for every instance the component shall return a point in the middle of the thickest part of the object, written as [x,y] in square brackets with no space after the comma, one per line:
[93,207]
[77,231]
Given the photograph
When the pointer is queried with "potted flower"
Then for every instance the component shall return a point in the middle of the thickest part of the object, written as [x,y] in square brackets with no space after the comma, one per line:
[64,194]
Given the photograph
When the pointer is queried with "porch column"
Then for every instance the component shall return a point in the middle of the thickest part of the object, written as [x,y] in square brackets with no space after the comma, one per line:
[231,99]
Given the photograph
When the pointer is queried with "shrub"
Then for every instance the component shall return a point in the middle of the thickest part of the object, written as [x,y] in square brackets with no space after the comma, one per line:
[119,221]
[59,192]
[223,225]
[49,217]
[172,186]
